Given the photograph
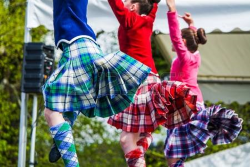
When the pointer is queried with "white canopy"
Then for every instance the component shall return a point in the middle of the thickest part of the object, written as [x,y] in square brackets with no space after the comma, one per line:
[225,15]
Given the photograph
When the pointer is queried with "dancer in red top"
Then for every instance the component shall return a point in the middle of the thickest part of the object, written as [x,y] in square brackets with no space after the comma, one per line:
[155,103]
[136,25]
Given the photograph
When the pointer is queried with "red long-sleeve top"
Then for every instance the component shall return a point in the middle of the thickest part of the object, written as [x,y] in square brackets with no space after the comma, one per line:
[134,33]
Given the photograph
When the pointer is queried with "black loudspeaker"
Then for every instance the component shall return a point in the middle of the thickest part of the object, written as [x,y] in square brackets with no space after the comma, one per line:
[38,64]
[49,60]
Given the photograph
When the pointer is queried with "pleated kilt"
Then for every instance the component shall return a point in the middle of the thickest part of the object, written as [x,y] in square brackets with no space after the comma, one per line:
[219,124]
[156,103]
[89,82]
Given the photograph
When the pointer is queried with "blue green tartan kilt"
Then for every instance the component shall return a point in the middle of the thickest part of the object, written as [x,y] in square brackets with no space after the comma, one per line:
[92,83]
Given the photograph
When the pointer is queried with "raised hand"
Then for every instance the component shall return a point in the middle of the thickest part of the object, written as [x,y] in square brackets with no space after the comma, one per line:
[188,19]
[171,5]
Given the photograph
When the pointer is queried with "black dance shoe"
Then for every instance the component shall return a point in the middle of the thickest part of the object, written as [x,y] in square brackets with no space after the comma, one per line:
[54,154]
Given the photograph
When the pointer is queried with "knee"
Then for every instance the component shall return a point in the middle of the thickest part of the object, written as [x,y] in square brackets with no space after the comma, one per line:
[47,114]
[53,118]
[50,115]
[124,140]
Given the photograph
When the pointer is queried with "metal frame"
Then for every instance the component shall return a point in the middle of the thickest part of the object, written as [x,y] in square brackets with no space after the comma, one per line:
[23,115]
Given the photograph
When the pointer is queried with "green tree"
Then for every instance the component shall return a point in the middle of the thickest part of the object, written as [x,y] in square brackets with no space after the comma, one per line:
[11,44]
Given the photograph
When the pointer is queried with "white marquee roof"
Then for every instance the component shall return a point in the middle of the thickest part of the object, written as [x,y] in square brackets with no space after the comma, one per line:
[225,15]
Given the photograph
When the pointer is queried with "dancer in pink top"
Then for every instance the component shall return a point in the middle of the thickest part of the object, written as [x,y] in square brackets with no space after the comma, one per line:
[220,124]
[185,43]
[185,66]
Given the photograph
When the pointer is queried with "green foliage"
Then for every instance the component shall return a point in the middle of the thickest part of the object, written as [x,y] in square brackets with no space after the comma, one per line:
[154,156]
[104,154]
[37,33]
[11,42]
[9,114]
[11,39]
[12,15]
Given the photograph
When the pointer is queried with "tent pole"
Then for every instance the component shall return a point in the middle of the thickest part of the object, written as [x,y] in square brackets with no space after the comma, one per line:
[23,112]
[33,132]
[22,131]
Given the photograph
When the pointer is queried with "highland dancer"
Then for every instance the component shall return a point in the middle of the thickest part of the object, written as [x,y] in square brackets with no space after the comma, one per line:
[86,81]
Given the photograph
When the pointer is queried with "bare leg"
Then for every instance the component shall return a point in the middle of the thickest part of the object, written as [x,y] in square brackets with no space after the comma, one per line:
[53,118]
[128,141]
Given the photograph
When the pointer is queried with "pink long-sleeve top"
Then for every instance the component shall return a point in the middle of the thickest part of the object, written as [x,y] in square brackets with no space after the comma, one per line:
[185,66]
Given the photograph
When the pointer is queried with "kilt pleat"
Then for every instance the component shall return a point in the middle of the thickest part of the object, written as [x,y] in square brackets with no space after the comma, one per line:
[189,139]
[153,107]
[221,125]
[92,83]
[140,115]
[174,103]
[226,125]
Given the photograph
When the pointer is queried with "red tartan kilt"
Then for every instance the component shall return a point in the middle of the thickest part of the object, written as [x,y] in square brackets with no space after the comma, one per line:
[156,103]
[174,103]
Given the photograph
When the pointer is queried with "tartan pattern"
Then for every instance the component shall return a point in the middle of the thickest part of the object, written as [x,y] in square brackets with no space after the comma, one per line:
[63,138]
[140,115]
[179,163]
[174,103]
[144,142]
[200,106]
[70,117]
[220,124]
[189,139]
[149,110]
[135,158]
[95,84]
[226,125]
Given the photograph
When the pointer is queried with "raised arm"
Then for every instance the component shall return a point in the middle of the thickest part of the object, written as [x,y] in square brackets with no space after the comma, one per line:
[123,15]
[152,14]
[189,20]
[175,32]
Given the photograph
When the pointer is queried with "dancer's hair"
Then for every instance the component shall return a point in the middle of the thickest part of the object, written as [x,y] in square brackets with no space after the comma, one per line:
[194,38]
[145,6]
